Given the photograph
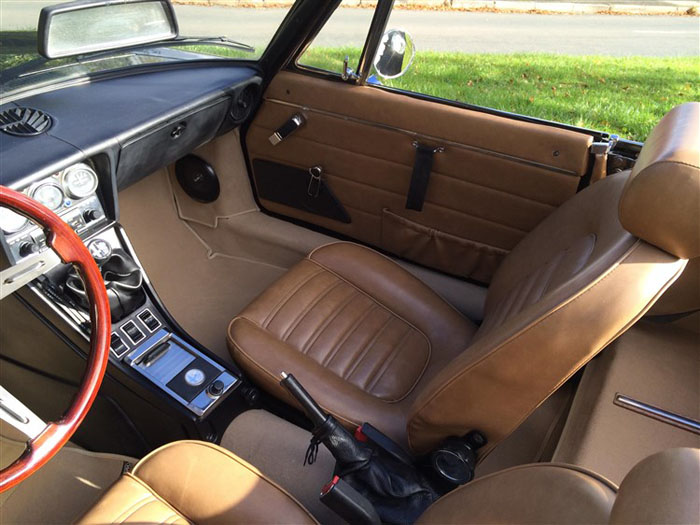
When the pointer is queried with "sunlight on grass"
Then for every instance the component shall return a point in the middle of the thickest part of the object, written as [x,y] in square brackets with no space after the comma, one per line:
[623,95]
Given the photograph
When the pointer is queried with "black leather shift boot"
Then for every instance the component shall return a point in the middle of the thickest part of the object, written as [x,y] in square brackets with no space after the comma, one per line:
[123,281]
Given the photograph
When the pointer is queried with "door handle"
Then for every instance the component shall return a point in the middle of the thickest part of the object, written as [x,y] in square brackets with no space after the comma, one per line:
[287,129]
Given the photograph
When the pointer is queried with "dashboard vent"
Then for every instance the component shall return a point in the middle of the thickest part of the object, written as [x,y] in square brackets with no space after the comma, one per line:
[24,122]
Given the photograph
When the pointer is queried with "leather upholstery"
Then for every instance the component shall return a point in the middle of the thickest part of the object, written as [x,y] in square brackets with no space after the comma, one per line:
[662,198]
[537,493]
[496,180]
[195,482]
[359,331]
[662,488]
[568,289]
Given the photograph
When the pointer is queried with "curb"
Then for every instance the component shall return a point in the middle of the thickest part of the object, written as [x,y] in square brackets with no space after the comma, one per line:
[671,7]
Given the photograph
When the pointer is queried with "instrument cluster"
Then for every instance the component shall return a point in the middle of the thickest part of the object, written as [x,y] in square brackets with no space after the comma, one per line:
[69,193]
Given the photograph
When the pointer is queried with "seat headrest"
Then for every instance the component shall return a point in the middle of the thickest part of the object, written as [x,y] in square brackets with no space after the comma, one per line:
[661,202]
[663,488]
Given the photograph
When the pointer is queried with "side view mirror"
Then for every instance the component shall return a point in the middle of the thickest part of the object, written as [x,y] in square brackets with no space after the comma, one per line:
[87,26]
[394,54]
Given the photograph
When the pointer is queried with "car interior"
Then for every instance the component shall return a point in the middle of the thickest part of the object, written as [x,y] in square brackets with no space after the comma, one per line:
[326,301]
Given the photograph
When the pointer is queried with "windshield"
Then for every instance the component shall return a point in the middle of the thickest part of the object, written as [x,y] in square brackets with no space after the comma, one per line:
[206,32]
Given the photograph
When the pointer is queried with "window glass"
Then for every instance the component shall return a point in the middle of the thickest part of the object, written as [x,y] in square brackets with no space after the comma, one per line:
[343,35]
[613,73]
[211,31]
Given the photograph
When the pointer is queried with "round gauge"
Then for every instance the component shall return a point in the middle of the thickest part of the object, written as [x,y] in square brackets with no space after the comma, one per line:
[50,195]
[79,181]
[100,249]
[11,221]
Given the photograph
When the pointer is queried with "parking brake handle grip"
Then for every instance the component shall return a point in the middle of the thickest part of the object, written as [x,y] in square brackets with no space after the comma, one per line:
[315,413]
[347,451]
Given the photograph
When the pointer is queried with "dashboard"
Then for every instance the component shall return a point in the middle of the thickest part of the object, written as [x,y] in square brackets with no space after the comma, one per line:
[102,137]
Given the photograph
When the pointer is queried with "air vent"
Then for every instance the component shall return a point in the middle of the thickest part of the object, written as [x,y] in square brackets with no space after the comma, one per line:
[24,122]
[244,103]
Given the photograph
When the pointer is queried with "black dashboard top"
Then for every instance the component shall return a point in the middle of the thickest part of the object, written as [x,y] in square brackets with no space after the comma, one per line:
[93,116]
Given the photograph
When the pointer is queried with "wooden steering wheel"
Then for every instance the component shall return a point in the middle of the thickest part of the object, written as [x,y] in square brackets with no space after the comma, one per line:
[44,440]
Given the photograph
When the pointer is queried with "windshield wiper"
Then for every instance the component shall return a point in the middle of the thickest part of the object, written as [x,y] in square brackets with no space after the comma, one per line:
[215,40]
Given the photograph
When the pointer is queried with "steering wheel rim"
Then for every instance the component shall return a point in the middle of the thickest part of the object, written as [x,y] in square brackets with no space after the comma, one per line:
[70,248]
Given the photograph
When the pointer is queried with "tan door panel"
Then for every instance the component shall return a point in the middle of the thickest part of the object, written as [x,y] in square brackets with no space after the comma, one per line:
[496,179]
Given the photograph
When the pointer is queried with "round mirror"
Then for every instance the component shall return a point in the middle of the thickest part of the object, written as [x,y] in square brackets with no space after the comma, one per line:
[395,54]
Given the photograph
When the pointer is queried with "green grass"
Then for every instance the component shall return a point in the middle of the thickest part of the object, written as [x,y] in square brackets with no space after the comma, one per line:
[623,95]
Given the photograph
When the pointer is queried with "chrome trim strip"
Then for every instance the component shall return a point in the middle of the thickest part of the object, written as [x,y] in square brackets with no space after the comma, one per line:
[671,418]
[415,135]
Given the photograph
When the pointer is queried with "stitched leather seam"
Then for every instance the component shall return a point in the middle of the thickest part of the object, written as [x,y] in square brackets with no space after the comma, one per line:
[617,334]
[350,330]
[374,300]
[127,512]
[450,305]
[320,329]
[519,333]
[275,381]
[302,315]
[434,173]
[144,504]
[150,489]
[367,347]
[377,374]
[230,455]
[271,316]
[517,159]
[427,340]
[600,479]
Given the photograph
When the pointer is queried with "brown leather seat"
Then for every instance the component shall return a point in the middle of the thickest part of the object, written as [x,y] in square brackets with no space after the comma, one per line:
[662,488]
[372,343]
[195,482]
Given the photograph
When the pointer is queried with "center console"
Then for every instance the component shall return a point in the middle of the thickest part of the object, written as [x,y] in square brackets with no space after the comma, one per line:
[146,343]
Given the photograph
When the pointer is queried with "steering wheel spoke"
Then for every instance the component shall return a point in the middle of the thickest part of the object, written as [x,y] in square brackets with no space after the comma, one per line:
[25,271]
[17,414]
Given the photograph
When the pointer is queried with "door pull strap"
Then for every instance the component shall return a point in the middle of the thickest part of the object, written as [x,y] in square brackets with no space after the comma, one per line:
[422,166]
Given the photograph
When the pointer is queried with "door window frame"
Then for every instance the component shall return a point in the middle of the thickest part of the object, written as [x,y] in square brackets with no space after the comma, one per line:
[378,25]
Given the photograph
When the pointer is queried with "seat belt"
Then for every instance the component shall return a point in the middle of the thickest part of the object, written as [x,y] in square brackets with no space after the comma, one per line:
[422,166]
[600,152]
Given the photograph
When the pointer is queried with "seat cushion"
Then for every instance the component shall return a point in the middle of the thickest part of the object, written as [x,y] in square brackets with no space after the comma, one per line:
[358,331]
[537,493]
[195,482]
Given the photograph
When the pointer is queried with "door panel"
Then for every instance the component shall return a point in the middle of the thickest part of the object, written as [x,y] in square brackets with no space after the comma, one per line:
[496,179]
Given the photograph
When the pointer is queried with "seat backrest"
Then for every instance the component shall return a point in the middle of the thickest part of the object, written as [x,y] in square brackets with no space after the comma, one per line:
[574,284]
[663,488]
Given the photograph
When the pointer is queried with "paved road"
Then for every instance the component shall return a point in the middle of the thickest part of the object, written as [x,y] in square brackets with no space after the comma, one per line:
[441,31]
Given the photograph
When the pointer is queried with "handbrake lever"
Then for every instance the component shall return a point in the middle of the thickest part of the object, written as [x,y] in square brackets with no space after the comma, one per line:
[346,450]
[337,495]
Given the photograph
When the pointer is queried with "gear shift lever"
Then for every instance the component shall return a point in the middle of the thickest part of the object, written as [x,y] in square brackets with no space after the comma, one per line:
[122,276]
